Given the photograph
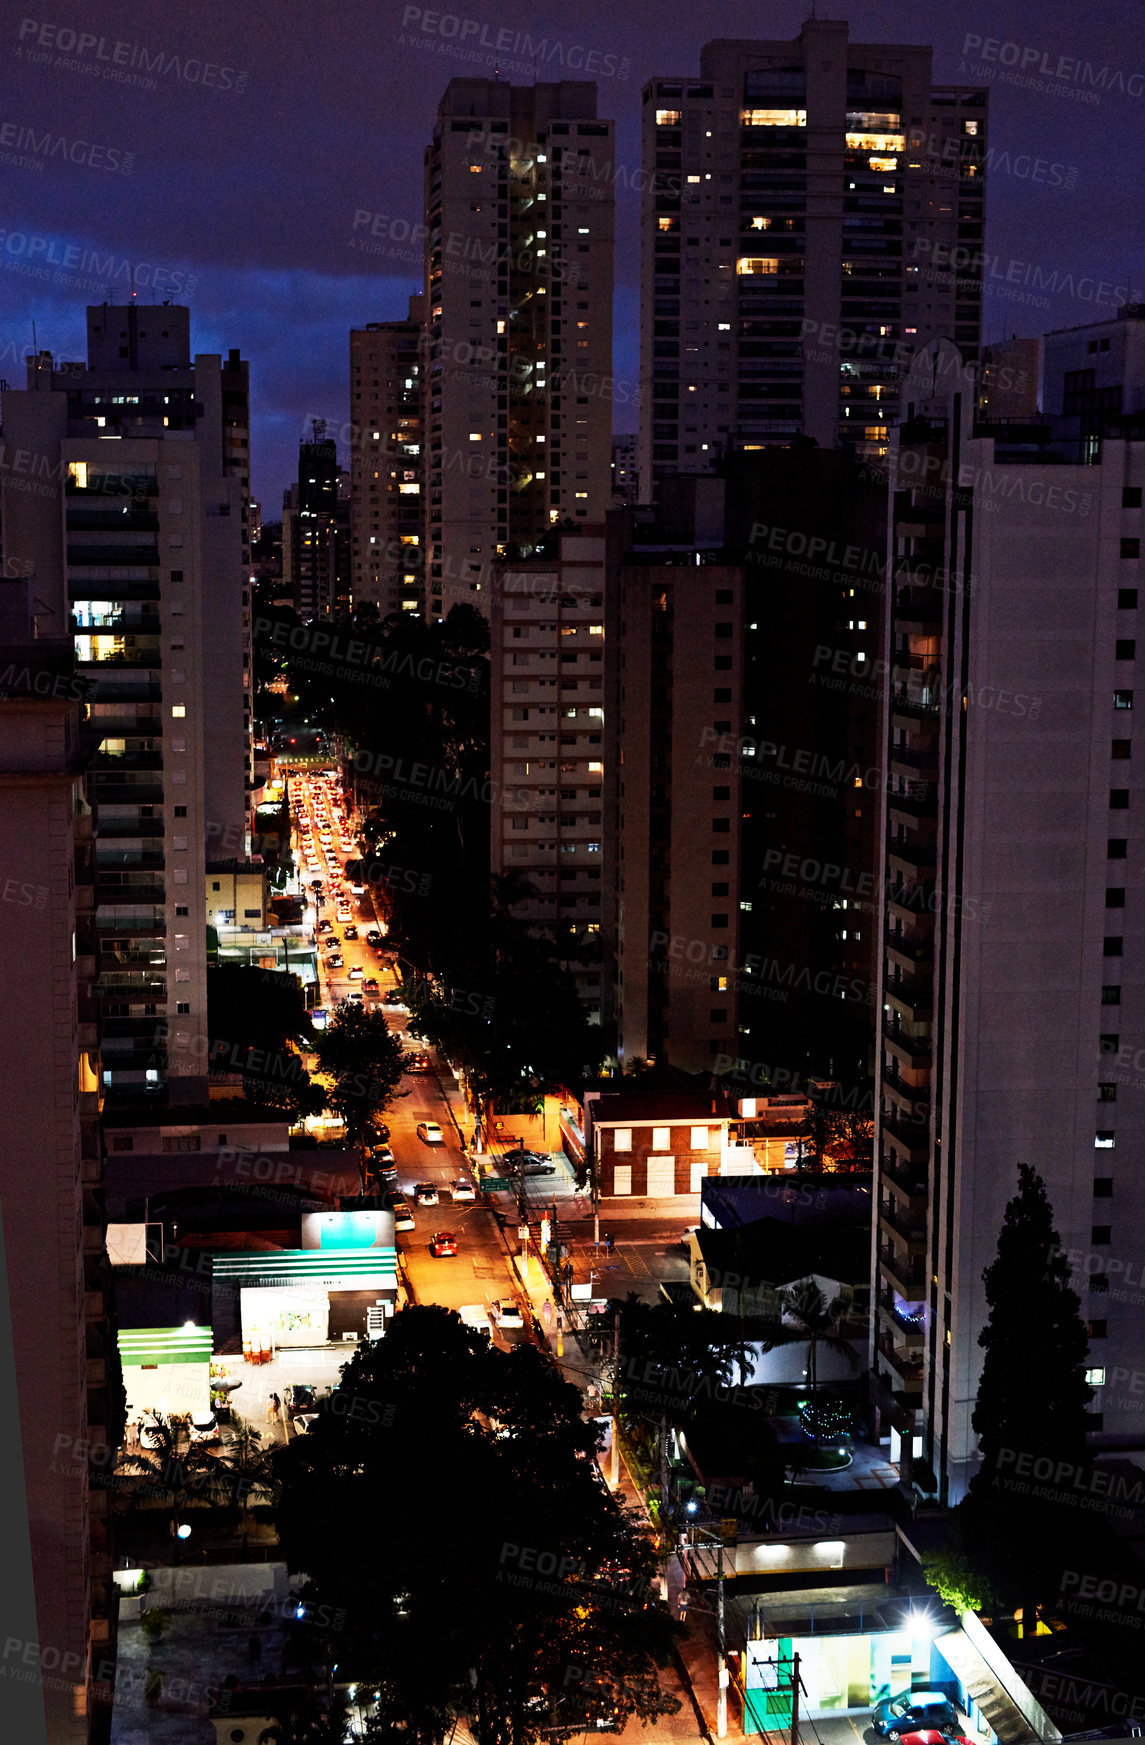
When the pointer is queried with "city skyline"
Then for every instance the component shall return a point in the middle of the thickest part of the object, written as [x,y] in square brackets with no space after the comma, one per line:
[268,243]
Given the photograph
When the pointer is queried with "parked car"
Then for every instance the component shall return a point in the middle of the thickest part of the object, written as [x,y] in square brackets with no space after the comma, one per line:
[204,1427]
[505,1312]
[425,1193]
[299,1396]
[463,1190]
[388,1175]
[381,1154]
[403,1217]
[911,1710]
[931,1736]
[430,1133]
[444,1243]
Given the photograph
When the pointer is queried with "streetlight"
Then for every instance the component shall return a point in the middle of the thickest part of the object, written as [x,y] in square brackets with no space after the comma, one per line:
[721,1649]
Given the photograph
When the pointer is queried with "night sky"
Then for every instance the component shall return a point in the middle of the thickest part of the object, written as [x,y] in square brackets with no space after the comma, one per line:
[221,152]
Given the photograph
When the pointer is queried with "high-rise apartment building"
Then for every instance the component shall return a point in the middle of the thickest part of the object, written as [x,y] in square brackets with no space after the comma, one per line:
[625,482]
[741,688]
[518,382]
[316,529]
[50,1182]
[129,528]
[813,211]
[1012,935]
[387,486]
[547,754]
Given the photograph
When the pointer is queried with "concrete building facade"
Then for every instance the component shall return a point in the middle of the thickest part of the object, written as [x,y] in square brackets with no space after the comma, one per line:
[1011,922]
[812,212]
[387,484]
[518,383]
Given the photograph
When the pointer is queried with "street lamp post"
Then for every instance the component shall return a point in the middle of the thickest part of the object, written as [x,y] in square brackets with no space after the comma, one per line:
[721,1639]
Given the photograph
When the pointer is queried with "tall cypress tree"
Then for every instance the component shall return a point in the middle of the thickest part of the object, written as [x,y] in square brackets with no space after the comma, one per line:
[1033,1392]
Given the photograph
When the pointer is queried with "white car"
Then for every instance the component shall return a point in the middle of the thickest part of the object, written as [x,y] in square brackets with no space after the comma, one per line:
[357,973]
[204,1427]
[505,1312]
[430,1132]
[425,1193]
[462,1190]
[358,890]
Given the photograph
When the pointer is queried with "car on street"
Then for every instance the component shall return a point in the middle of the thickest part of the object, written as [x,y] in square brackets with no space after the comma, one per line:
[299,1397]
[351,933]
[931,1736]
[505,1312]
[325,926]
[334,962]
[444,1243]
[912,1711]
[343,916]
[381,1154]
[332,942]
[370,985]
[430,1133]
[425,1193]
[373,937]
[353,998]
[417,1062]
[463,1190]
[393,1196]
[316,884]
[388,1175]
[403,1217]
[357,973]
[393,997]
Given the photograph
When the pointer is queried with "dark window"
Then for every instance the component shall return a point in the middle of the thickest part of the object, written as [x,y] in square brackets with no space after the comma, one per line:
[1119,799]
[1131,496]
[1121,747]
[1131,548]
[1107,1093]
[1096,1329]
[1078,388]
[182,909]
[723,664]
[1111,993]
[1103,1187]
[721,793]
[721,826]
[1099,1282]
[719,920]
[723,630]
[720,890]
[176,575]
[215,886]
[1123,699]
[1102,1234]
[1127,599]
[717,1015]
[724,595]
[180,811]
[1114,947]
[183,1006]
[1126,650]
[1115,897]
[1109,1044]
[720,857]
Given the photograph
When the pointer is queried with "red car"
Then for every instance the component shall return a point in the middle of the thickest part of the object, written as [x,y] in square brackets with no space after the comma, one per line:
[444,1243]
[931,1736]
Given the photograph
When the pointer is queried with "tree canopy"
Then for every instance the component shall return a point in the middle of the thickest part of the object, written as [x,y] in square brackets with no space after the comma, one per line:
[445,1508]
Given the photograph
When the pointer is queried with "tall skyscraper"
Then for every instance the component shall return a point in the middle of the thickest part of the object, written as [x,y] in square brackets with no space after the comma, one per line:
[1011,935]
[812,210]
[132,540]
[547,743]
[316,529]
[517,392]
[387,485]
[50,1178]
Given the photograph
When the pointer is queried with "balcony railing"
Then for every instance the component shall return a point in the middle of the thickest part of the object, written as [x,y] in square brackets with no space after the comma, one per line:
[916,1048]
[905,1365]
[915,1141]
[907,1274]
[912,1230]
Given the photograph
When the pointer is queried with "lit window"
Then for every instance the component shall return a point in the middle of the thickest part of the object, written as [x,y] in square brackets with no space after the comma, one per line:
[596,629]
[475,436]
[475,169]
[582,230]
[661,1138]
[596,769]
[665,223]
[879,142]
[699,1139]
[178,710]
[774,117]
[749,265]
[669,117]
[622,1139]
[1104,1141]
[1095,1378]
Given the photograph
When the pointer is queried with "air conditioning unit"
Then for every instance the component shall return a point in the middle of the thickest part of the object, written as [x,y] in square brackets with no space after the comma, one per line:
[352,1338]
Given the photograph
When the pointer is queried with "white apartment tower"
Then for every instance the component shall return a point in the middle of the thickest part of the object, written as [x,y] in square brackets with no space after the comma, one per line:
[547,754]
[1012,942]
[812,211]
[129,526]
[518,387]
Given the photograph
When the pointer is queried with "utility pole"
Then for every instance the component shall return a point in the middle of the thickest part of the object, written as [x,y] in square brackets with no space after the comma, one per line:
[794,1698]
[594,1165]
[615,1478]
[722,1699]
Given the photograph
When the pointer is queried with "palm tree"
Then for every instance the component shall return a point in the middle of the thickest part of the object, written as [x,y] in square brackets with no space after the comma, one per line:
[243,1466]
[165,1469]
[814,1323]
[320,1721]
